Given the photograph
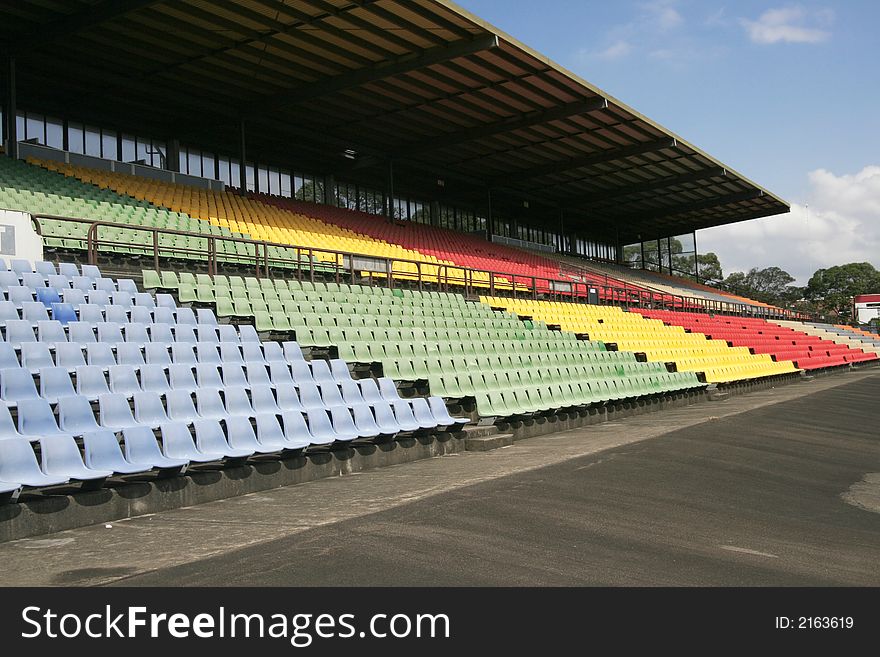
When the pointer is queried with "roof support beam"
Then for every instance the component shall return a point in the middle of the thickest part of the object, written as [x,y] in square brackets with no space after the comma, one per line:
[590,160]
[378,71]
[70,25]
[510,124]
[639,188]
[675,210]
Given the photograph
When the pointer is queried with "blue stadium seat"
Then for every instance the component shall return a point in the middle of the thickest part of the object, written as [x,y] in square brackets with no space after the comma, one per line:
[51,331]
[34,311]
[279,373]
[257,374]
[55,383]
[18,331]
[227,333]
[83,283]
[64,313]
[441,413]
[73,297]
[127,285]
[18,294]
[106,284]
[209,404]
[102,451]
[124,299]
[230,353]
[252,352]
[123,379]
[91,382]
[263,400]
[165,301]
[206,352]
[67,354]
[18,464]
[232,375]
[135,333]
[8,311]
[141,448]
[181,377]
[48,295]
[343,423]
[91,314]
[247,333]
[7,356]
[7,426]
[296,431]
[272,353]
[351,393]
[206,317]
[180,407]
[178,443]
[322,429]
[109,332]
[61,458]
[321,372]
[17,384]
[207,334]
[288,399]
[100,354]
[75,416]
[20,266]
[403,413]
[292,351]
[153,379]
[237,401]
[68,269]
[269,431]
[99,297]
[8,279]
[301,372]
[184,333]
[162,315]
[183,352]
[35,418]
[115,314]
[35,355]
[114,412]
[149,410]
[156,354]
[143,300]
[160,333]
[185,316]
[422,413]
[140,315]
[310,396]
[58,281]
[366,422]
[33,280]
[81,332]
[331,395]
[240,435]
[91,271]
[129,354]
[45,268]
[340,370]
[210,439]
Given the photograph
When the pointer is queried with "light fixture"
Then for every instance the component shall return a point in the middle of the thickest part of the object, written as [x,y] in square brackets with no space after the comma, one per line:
[349,154]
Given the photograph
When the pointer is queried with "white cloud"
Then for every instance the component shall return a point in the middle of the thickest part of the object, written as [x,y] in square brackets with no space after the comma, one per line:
[662,14]
[789,25]
[839,224]
[616,50]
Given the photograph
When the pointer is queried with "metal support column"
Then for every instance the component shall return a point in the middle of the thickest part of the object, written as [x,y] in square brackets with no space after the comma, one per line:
[11,112]
[242,153]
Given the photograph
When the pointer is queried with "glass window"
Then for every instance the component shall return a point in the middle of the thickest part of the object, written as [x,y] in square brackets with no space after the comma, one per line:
[285,184]
[264,180]
[208,165]
[54,133]
[235,173]
[249,176]
[108,144]
[93,141]
[128,150]
[194,163]
[143,150]
[35,128]
[75,137]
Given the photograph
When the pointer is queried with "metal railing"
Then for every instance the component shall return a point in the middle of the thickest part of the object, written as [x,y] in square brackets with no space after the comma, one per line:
[307,262]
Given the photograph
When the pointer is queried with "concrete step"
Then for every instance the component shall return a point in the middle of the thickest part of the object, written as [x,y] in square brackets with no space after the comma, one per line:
[485,438]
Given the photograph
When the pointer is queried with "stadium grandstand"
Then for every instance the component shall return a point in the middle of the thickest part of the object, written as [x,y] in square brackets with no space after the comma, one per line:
[252,228]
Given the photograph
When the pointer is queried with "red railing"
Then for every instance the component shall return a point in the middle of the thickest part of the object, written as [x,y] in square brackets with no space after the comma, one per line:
[306,262]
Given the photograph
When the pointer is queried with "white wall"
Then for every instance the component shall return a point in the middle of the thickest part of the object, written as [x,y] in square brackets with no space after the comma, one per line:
[18,239]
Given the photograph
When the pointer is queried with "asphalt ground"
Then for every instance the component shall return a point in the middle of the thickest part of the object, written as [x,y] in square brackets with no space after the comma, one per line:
[780,487]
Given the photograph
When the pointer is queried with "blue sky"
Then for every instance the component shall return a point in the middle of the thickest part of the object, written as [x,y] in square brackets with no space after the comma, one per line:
[786,93]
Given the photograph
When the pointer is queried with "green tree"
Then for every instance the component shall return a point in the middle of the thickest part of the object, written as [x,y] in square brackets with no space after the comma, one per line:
[770,285]
[832,289]
[709,267]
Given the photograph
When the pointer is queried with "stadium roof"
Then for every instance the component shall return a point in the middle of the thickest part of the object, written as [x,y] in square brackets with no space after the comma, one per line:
[423,83]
